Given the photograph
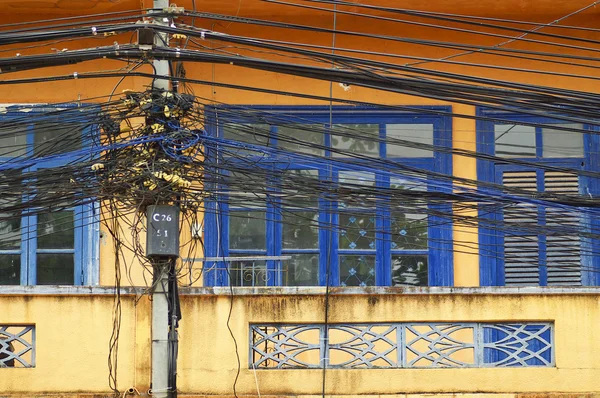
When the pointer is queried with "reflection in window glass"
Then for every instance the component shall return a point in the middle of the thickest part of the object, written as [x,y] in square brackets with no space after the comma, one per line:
[562,144]
[300,230]
[357,270]
[52,138]
[409,231]
[10,231]
[56,230]
[302,138]
[352,196]
[355,139]
[298,189]
[247,230]
[402,183]
[417,133]
[10,269]
[246,189]
[357,178]
[55,269]
[409,270]
[514,141]
[13,140]
[254,134]
[301,270]
[357,231]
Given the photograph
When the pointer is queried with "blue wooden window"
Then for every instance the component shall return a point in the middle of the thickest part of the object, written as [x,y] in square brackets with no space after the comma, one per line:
[368,243]
[529,244]
[57,247]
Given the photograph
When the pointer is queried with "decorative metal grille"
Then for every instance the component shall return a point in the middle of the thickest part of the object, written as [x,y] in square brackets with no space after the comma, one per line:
[401,345]
[17,346]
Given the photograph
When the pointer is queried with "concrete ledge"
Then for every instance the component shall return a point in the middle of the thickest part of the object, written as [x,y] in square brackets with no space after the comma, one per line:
[306,291]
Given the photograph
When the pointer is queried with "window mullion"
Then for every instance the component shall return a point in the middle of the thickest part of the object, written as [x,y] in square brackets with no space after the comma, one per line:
[31,248]
[383,257]
[274,233]
[543,269]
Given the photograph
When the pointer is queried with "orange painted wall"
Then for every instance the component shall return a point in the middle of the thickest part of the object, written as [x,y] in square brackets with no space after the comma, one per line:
[98,90]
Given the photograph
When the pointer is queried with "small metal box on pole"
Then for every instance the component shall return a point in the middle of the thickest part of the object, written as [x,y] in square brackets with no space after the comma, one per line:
[163,231]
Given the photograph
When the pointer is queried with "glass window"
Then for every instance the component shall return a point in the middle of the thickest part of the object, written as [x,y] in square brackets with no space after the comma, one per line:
[545,242]
[247,230]
[302,138]
[514,141]
[563,144]
[54,138]
[345,141]
[13,139]
[409,270]
[39,247]
[415,133]
[302,270]
[300,216]
[357,270]
[253,134]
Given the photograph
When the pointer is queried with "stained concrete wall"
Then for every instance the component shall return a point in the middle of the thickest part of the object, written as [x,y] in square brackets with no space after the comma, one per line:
[73,329]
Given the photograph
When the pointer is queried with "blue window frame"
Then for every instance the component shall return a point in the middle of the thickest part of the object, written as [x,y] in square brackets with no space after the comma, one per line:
[533,242]
[367,244]
[56,247]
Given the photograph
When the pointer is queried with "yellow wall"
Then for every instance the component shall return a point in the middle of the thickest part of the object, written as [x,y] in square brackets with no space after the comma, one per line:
[73,332]
[72,346]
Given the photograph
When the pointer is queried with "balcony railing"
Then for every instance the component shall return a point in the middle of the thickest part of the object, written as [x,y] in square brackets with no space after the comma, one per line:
[401,345]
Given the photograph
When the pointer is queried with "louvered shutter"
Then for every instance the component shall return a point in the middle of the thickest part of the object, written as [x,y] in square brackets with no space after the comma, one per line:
[529,229]
[563,245]
[521,248]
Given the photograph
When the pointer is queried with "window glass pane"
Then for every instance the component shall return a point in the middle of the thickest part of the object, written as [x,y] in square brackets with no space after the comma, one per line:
[417,133]
[514,141]
[401,183]
[301,270]
[357,231]
[54,137]
[248,272]
[302,138]
[409,270]
[254,134]
[562,144]
[13,139]
[357,139]
[10,202]
[300,229]
[10,269]
[55,269]
[56,230]
[246,188]
[247,230]
[10,231]
[357,270]
[298,189]
[409,231]
[357,178]
[351,195]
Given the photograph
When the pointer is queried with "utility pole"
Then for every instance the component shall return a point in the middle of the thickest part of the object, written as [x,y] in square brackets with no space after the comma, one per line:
[161,269]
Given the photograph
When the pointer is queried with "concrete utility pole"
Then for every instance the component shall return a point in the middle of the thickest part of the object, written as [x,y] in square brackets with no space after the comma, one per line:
[160,305]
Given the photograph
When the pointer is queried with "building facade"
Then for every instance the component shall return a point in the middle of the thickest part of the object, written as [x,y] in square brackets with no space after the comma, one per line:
[346,292]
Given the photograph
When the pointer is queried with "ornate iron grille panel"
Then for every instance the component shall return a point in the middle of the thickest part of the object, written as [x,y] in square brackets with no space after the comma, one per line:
[17,346]
[401,345]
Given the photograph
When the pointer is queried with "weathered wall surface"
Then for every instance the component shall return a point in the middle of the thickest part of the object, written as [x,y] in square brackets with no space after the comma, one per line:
[73,331]
[72,341]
